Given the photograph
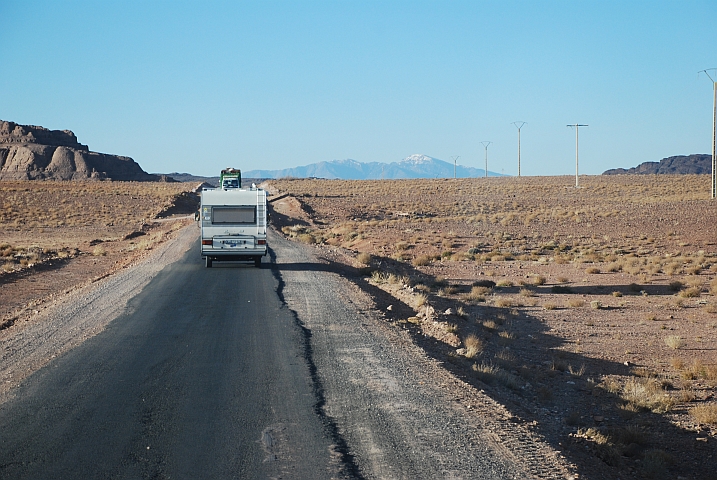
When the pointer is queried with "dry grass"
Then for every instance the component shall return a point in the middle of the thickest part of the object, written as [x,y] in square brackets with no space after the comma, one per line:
[674,342]
[364,258]
[647,394]
[690,292]
[704,414]
[422,261]
[503,302]
[473,345]
[420,300]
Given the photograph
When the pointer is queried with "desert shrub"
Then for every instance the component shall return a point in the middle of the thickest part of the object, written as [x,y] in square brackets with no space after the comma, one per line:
[490,373]
[655,463]
[306,238]
[99,251]
[379,277]
[539,280]
[503,302]
[422,261]
[448,290]
[596,305]
[474,346]
[696,369]
[364,258]
[490,324]
[704,414]
[504,283]
[690,292]
[610,384]
[401,246]
[613,267]
[676,285]
[576,303]
[550,306]
[420,300]
[674,342]
[617,294]
[592,270]
[647,394]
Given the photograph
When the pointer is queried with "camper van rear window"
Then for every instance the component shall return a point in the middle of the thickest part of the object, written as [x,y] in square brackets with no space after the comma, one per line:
[234,215]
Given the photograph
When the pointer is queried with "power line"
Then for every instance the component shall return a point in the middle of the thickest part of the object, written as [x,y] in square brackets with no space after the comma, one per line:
[714,130]
[519,127]
[577,128]
[485,144]
[455,159]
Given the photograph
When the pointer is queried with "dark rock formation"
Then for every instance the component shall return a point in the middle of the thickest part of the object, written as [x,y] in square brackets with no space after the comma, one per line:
[680,164]
[28,152]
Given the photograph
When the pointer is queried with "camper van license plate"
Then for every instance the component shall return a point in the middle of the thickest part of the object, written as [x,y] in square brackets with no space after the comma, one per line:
[236,243]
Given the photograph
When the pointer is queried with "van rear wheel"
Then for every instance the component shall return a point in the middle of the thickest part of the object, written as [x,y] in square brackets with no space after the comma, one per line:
[208,262]
[257,262]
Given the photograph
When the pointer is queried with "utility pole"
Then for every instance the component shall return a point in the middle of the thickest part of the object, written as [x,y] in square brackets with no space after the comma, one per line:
[519,127]
[485,144]
[714,131]
[577,127]
[455,159]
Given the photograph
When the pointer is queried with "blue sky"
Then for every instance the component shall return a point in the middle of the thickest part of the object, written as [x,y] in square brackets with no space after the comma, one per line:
[196,86]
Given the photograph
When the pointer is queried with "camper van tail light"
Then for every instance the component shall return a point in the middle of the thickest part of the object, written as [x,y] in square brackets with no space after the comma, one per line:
[206,242]
[261,242]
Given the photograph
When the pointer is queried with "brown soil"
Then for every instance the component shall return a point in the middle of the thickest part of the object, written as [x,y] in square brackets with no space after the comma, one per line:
[579,301]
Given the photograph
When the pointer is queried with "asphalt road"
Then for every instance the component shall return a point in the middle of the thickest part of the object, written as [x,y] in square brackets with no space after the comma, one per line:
[206,375]
[287,371]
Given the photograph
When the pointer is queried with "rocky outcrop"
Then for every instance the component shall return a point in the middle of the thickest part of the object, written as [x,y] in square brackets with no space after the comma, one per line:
[29,152]
[680,164]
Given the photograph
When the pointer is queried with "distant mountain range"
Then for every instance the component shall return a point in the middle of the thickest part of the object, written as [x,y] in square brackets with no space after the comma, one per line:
[415,166]
[680,164]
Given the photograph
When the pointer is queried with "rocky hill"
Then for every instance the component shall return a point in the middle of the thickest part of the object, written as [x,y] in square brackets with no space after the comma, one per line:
[29,152]
[680,164]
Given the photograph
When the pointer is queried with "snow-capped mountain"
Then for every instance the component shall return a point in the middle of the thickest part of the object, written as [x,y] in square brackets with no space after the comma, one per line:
[414,166]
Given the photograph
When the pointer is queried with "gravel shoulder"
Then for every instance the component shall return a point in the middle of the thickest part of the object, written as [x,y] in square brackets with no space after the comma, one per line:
[400,414]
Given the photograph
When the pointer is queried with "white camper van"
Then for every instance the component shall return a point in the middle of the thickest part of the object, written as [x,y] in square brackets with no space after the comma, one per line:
[233,224]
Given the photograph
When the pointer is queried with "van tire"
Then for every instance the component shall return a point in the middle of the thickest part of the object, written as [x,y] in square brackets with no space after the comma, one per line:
[257,262]
[208,262]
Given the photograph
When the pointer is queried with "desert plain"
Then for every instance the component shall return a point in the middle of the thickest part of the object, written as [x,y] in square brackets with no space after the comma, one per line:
[590,313]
